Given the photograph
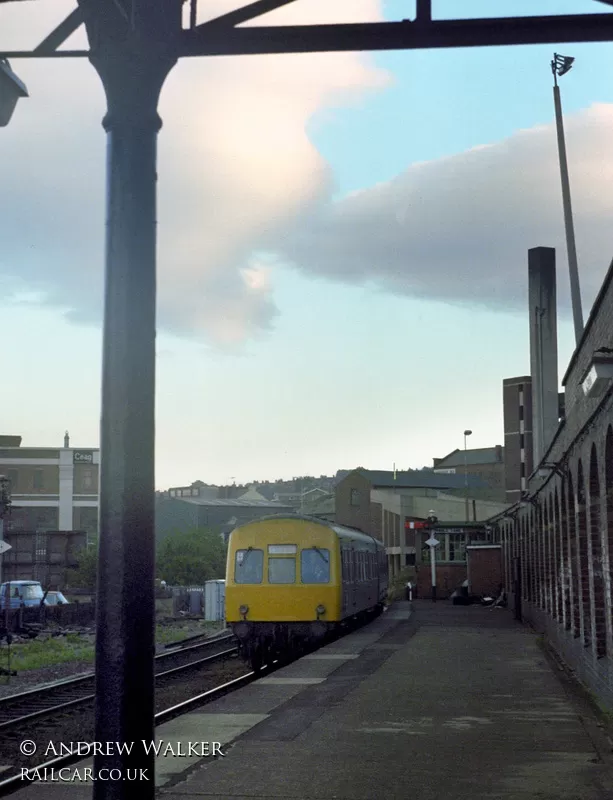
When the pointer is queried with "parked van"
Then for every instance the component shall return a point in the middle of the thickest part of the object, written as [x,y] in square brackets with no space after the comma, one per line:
[22,593]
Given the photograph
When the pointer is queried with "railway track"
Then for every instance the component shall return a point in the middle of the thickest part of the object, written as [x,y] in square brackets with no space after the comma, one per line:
[68,694]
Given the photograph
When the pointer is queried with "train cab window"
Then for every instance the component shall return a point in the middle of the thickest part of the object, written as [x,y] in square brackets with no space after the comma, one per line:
[315,565]
[249,566]
[281,570]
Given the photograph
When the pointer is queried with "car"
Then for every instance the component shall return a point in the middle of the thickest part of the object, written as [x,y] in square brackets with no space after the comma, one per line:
[22,593]
[55,599]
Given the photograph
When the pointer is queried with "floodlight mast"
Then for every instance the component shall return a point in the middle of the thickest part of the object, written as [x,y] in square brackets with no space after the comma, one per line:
[560,65]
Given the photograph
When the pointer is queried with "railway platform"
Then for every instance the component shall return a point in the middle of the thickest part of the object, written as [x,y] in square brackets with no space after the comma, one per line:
[430,700]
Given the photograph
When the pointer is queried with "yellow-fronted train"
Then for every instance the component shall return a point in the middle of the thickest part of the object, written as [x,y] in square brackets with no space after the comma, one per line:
[293,581]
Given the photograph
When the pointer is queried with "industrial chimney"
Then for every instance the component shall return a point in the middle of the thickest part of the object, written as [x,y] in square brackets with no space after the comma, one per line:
[66,440]
[543,348]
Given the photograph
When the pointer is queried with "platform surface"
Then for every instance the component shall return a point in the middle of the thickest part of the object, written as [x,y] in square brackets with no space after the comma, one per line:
[435,702]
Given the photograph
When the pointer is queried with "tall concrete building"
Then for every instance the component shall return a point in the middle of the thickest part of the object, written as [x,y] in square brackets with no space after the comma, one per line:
[52,488]
[518,452]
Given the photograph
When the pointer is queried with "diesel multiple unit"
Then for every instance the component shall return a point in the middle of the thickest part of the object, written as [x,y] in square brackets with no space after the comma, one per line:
[291,581]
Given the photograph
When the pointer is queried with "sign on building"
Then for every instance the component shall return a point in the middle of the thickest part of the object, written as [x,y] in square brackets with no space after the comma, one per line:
[83,457]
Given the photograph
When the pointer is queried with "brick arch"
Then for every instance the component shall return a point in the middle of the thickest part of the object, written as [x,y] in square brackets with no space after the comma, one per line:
[583,566]
[595,541]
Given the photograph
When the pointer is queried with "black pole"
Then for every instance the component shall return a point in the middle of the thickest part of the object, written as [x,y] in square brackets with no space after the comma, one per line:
[133,69]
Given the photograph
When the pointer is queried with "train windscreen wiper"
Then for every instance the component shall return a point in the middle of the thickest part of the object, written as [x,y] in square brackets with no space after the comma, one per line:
[317,550]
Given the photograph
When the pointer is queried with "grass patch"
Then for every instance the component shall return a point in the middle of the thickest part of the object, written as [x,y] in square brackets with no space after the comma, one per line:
[36,654]
[57,650]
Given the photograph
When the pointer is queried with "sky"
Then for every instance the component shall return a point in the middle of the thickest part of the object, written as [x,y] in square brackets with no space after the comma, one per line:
[342,241]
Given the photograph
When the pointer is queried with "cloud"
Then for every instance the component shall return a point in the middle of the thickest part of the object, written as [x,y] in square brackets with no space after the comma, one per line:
[236,171]
[458,229]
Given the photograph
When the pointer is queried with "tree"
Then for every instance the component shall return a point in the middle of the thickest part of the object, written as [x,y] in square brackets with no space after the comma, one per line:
[83,576]
[191,557]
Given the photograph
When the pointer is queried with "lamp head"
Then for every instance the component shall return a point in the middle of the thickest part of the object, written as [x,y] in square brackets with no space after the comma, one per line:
[467,433]
[561,64]
[11,89]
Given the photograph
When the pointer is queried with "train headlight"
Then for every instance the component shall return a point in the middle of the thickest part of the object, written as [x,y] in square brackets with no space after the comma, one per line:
[242,610]
[320,610]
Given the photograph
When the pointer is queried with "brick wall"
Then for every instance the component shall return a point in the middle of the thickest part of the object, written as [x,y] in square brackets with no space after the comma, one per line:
[484,570]
[564,536]
[448,578]
[352,498]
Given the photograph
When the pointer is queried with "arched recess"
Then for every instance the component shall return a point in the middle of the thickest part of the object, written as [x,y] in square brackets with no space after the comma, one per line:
[595,536]
[558,550]
[523,528]
[542,523]
[573,556]
[583,560]
[608,488]
[547,553]
[534,562]
[566,563]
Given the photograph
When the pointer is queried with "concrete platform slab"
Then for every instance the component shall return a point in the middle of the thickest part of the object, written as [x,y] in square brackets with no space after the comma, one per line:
[447,703]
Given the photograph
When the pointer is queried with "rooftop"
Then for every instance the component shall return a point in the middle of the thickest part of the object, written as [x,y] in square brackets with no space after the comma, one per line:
[419,480]
[230,502]
[480,455]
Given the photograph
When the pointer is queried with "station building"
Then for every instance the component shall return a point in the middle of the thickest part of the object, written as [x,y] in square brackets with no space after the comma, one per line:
[384,503]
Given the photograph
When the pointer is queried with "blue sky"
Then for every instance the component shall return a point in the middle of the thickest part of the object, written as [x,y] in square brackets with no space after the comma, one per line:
[325,367]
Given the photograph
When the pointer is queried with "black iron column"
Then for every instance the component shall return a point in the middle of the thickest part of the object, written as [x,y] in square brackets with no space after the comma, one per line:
[133,67]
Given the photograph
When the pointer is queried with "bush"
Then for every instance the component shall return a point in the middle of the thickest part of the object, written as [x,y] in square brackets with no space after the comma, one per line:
[397,585]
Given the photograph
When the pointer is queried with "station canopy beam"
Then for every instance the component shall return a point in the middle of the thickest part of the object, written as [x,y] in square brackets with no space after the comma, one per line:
[222,37]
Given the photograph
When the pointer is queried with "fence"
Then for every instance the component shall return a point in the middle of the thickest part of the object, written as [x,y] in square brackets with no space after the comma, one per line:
[77,614]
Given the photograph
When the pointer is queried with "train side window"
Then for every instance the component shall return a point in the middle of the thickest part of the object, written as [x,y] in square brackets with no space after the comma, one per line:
[315,566]
[249,566]
[281,570]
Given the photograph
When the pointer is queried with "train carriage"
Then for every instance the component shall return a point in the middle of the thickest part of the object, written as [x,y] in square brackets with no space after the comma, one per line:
[292,581]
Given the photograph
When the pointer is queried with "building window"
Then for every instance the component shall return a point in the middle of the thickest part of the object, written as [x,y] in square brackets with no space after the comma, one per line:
[13,477]
[441,549]
[87,480]
[457,547]
[37,481]
[355,497]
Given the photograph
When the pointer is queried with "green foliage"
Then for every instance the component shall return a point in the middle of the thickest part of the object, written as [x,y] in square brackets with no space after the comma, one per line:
[191,557]
[397,586]
[184,557]
[84,576]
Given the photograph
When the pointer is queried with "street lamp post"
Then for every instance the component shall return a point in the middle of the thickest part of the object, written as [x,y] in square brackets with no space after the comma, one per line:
[560,66]
[466,434]
[432,543]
